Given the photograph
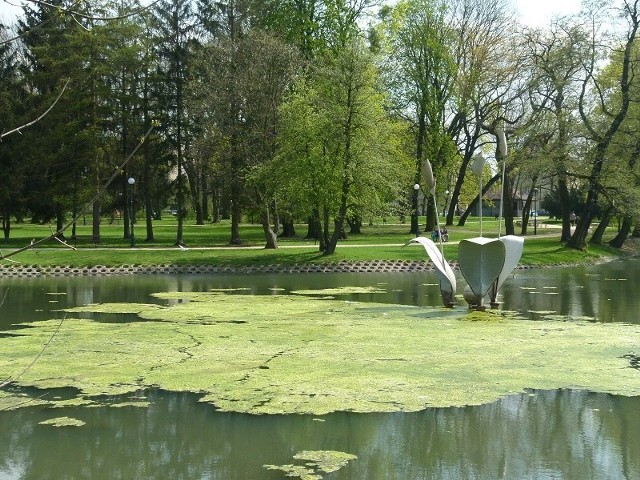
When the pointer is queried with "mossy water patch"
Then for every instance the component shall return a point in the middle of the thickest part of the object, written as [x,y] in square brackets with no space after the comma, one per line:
[295,354]
[316,462]
[63,422]
[341,291]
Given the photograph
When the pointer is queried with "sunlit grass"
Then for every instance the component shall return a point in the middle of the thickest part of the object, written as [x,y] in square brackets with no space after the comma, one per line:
[209,245]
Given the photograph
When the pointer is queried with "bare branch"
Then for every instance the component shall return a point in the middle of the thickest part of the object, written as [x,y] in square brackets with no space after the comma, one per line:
[39,118]
[7,381]
[71,11]
[84,209]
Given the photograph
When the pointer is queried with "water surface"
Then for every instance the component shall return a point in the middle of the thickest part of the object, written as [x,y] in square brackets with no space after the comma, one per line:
[535,435]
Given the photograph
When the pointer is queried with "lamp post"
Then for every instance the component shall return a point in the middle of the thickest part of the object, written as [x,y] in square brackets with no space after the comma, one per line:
[535,211]
[446,204]
[416,188]
[132,189]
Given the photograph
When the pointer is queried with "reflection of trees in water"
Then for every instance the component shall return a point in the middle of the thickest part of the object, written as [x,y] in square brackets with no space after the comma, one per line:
[605,292]
[555,434]
[552,434]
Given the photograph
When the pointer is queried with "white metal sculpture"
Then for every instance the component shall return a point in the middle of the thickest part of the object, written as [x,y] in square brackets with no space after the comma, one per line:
[445,273]
[481,262]
[485,263]
[513,247]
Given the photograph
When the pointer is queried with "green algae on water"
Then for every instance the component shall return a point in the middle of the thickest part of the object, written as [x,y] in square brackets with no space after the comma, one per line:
[317,461]
[283,354]
[340,291]
[63,422]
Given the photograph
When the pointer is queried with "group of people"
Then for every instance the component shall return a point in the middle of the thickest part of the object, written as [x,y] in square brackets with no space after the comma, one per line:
[435,235]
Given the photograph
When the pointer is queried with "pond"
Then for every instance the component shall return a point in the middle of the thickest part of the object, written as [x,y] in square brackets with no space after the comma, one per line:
[537,434]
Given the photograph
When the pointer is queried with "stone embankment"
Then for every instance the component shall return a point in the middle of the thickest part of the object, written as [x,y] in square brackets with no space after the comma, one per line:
[341,267]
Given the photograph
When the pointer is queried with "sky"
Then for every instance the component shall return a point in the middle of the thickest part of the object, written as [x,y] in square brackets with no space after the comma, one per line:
[534,13]
[537,13]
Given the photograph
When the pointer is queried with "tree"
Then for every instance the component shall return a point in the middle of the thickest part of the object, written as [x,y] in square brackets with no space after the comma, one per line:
[490,87]
[12,99]
[420,72]
[175,28]
[337,140]
[453,68]
[602,133]
[557,56]
[71,134]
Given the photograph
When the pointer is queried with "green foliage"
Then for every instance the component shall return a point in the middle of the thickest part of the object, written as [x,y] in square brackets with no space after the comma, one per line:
[432,81]
[337,141]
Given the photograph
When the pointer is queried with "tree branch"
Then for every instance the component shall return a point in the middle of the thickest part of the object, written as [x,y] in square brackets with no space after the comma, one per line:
[84,209]
[71,11]
[39,118]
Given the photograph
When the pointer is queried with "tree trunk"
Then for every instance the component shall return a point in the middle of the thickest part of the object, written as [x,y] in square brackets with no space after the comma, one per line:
[236,216]
[199,215]
[455,195]
[205,198]
[271,237]
[338,229]
[565,209]
[195,183]
[314,227]
[148,203]
[6,223]
[288,227]
[579,238]
[215,205]
[623,234]
[324,231]
[355,225]
[596,238]
[180,203]
[430,222]
[526,209]
[95,236]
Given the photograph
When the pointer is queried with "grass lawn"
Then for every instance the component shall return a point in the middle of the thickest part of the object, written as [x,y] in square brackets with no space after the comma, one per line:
[209,244]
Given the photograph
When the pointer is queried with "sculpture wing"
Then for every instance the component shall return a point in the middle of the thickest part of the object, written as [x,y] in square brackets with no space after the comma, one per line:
[481,261]
[443,269]
[514,247]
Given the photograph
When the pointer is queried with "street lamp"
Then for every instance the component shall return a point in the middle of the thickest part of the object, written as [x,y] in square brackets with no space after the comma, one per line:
[446,204]
[416,187]
[132,189]
[535,211]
